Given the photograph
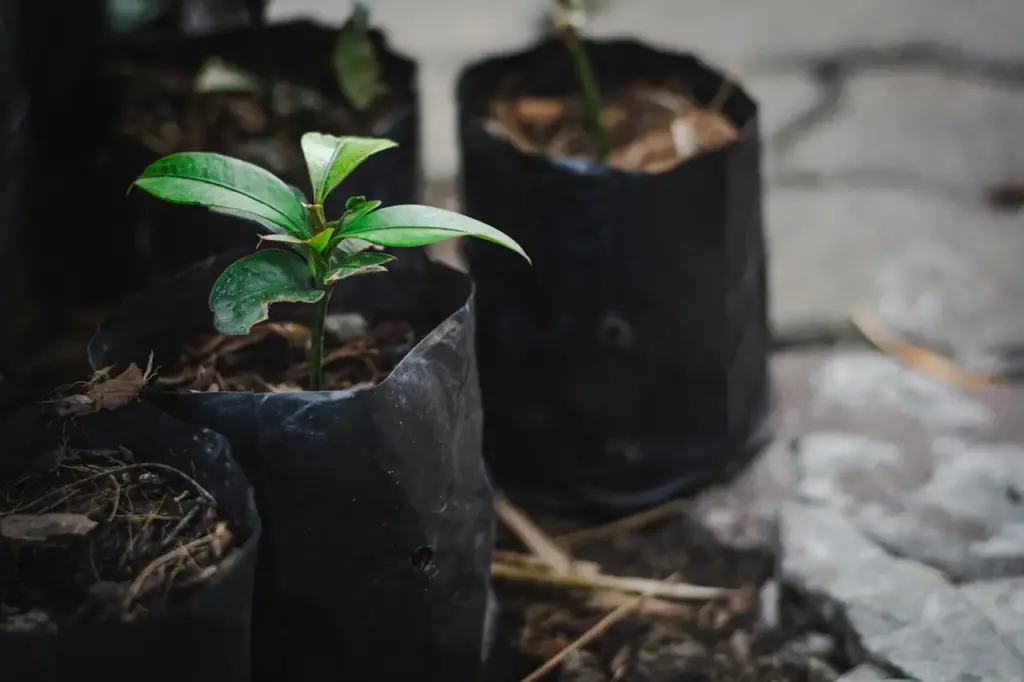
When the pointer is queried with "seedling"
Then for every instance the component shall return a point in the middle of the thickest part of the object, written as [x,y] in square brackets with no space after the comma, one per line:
[568,18]
[355,62]
[320,252]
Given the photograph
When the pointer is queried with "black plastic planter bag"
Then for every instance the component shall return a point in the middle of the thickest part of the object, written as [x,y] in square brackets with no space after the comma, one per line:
[377,511]
[169,237]
[628,365]
[14,148]
[204,639]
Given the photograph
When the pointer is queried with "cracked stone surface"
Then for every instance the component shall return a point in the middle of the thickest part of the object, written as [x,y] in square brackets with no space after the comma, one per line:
[921,127]
[928,264]
[899,611]
[931,472]
[906,522]
[868,673]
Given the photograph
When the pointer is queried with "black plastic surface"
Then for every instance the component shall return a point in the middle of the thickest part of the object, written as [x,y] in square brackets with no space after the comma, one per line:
[378,514]
[205,639]
[14,158]
[628,365]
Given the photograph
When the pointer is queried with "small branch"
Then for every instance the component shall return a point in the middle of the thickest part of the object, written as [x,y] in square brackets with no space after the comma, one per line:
[316,341]
[565,21]
[535,539]
[680,592]
[922,359]
[628,523]
[218,538]
[595,632]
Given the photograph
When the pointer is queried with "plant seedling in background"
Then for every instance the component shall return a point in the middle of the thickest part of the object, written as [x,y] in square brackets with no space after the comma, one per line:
[569,17]
[355,61]
[321,252]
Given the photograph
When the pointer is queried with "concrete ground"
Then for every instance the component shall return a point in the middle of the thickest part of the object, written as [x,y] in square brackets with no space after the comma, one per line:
[895,497]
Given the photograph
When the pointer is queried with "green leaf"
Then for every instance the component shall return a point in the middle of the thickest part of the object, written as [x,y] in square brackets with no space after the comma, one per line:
[414,225]
[347,247]
[222,182]
[252,218]
[242,295]
[356,208]
[317,243]
[330,159]
[358,264]
[321,240]
[355,64]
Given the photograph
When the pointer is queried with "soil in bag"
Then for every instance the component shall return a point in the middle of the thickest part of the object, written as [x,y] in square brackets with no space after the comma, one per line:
[377,509]
[127,546]
[176,100]
[629,364]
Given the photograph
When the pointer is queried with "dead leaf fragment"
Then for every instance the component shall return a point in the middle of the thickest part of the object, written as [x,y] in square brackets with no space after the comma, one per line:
[43,527]
[107,393]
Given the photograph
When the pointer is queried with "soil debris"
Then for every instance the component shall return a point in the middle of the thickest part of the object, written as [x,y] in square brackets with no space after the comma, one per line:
[272,358]
[100,538]
[650,127]
[104,392]
[717,640]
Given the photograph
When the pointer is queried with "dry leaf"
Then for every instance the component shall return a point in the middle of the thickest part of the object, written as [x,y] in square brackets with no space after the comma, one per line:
[43,527]
[539,109]
[107,393]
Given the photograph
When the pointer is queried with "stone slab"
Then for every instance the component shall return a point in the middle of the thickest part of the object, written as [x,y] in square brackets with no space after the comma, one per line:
[925,469]
[867,672]
[733,29]
[920,128]
[927,264]
[901,613]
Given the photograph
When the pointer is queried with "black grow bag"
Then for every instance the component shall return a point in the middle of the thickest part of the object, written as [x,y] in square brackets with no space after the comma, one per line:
[377,510]
[205,639]
[14,148]
[168,238]
[629,363]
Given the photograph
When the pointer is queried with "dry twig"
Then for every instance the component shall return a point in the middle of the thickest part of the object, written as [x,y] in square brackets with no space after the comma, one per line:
[600,581]
[596,631]
[535,539]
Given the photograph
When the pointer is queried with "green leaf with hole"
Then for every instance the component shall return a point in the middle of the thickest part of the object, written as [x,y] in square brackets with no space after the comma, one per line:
[216,181]
[241,296]
[358,264]
[330,159]
[414,225]
[355,63]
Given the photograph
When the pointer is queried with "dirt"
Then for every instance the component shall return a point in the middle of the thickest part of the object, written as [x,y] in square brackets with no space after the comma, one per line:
[272,357]
[99,537]
[163,112]
[650,126]
[721,640]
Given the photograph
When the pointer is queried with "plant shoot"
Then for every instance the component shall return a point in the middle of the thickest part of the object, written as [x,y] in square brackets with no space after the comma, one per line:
[318,252]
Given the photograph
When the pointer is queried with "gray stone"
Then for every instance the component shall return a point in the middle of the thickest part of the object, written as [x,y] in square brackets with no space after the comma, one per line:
[902,614]
[928,470]
[926,264]
[742,30]
[867,672]
[920,128]
[742,513]
[728,29]
[1003,602]
[947,507]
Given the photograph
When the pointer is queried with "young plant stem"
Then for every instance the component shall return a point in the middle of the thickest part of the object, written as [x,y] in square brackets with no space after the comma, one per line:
[316,340]
[586,78]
